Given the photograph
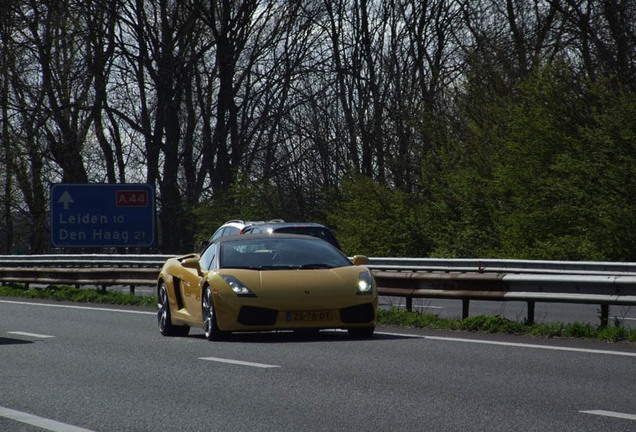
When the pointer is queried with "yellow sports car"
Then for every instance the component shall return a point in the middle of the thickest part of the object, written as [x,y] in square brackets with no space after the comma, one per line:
[266,282]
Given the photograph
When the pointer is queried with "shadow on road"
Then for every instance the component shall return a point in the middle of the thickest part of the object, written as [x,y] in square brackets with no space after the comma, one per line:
[304,337]
[11,341]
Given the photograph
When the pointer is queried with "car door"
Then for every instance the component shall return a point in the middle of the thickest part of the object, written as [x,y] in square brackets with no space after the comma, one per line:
[184,279]
[193,288]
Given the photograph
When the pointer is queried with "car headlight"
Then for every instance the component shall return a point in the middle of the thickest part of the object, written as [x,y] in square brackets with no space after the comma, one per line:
[365,286]
[237,286]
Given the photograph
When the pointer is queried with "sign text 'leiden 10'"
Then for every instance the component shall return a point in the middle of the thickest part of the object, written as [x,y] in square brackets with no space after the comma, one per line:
[102,215]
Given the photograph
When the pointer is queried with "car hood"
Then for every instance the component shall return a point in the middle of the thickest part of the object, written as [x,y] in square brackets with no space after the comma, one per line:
[286,283]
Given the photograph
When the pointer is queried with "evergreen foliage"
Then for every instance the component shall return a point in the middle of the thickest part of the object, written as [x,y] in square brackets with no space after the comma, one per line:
[375,220]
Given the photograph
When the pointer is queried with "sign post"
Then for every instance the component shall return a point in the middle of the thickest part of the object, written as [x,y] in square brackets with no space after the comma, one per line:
[102,215]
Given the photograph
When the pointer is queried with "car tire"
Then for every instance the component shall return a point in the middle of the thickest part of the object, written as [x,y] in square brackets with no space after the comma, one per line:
[166,328]
[210,326]
[361,332]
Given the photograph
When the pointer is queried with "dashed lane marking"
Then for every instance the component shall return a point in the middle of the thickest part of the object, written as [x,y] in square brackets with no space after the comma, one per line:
[35,335]
[611,414]
[41,422]
[238,362]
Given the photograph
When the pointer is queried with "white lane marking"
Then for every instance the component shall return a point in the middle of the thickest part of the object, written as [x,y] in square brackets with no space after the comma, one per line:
[406,335]
[556,348]
[513,344]
[238,362]
[50,425]
[545,347]
[79,307]
[35,335]
[611,414]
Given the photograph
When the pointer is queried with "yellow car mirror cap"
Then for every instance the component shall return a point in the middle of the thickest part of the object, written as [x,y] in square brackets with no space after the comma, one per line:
[360,260]
[192,263]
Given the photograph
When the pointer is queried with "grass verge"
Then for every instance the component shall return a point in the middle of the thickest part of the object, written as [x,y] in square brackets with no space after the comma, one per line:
[496,324]
[79,295]
[394,316]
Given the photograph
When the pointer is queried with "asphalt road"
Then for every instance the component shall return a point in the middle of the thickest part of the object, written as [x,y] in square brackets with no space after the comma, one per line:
[77,369]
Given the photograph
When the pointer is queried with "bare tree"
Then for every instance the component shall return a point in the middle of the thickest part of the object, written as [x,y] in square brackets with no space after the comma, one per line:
[26,116]
[159,43]
[100,19]
[59,45]
[6,157]
[604,34]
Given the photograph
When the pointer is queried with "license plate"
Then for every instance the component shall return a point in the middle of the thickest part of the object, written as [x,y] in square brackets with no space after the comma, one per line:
[309,316]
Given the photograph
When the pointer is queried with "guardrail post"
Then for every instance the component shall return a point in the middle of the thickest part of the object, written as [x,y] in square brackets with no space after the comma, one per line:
[132,289]
[530,319]
[604,314]
[409,304]
[465,306]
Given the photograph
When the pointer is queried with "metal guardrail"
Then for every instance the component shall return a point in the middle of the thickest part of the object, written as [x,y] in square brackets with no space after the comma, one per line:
[83,260]
[601,283]
[82,269]
[504,266]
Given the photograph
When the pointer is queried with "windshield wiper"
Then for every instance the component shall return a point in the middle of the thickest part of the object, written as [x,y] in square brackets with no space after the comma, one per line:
[242,267]
[278,267]
[315,266]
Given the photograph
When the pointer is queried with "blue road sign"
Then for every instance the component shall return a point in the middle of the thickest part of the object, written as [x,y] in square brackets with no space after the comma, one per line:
[102,215]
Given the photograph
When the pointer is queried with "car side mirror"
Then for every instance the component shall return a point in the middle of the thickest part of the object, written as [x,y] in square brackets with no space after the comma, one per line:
[203,245]
[192,263]
[360,260]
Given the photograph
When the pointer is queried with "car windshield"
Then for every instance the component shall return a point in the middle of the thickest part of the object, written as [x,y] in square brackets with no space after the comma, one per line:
[280,254]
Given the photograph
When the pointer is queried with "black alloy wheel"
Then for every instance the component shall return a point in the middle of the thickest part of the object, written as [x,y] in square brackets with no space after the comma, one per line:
[166,328]
[210,326]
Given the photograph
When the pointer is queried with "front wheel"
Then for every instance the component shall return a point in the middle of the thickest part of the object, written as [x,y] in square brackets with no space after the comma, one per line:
[166,328]
[361,332]
[210,326]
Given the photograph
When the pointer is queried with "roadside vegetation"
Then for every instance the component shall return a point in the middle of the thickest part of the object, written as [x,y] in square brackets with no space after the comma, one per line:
[614,332]
[78,295]
[441,128]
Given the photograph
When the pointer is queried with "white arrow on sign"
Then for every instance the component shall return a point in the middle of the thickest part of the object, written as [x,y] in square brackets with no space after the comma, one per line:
[66,199]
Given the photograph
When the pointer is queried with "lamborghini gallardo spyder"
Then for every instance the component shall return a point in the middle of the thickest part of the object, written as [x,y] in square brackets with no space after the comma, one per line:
[266,282]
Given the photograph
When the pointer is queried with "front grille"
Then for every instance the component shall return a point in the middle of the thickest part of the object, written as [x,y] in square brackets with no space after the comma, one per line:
[357,314]
[250,315]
